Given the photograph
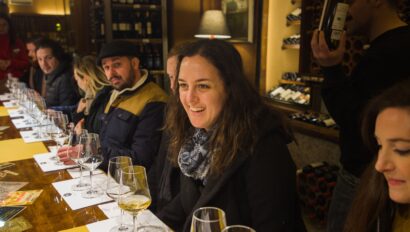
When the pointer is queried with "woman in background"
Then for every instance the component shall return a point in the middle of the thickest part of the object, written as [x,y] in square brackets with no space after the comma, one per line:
[96,93]
[228,144]
[382,202]
[95,90]
[13,55]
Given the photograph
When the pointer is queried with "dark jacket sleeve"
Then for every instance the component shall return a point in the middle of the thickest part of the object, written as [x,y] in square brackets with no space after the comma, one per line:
[146,138]
[270,180]
[173,214]
[67,92]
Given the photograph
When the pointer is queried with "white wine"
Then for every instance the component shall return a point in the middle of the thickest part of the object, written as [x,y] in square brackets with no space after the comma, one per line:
[332,21]
[134,203]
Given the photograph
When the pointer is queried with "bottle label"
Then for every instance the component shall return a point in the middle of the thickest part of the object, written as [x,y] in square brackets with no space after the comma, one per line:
[339,20]
[149,28]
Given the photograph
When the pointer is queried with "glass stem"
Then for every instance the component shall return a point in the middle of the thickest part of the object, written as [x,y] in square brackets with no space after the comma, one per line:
[134,222]
[91,181]
[80,183]
[122,227]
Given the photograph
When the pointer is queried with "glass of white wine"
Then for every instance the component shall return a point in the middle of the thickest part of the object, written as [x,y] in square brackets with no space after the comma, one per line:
[208,219]
[115,165]
[238,228]
[92,157]
[136,195]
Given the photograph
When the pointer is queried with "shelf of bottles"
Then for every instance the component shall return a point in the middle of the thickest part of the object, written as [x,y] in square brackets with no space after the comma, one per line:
[138,21]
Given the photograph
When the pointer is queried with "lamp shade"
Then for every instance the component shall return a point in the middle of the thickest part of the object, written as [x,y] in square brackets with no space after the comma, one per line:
[213,26]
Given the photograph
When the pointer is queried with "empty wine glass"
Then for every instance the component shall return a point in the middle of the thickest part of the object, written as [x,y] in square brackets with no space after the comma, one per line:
[136,195]
[59,132]
[208,219]
[115,166]
[77,158]
[238,228]
[92,158]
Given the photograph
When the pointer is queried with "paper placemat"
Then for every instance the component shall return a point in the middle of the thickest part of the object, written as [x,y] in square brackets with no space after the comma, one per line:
[11,104]
[112,211]
[25,122]
[6,97]
[17,149]
[33,136]
[3,111]
[47,164]
[15,113]
[74,198]
[75,172]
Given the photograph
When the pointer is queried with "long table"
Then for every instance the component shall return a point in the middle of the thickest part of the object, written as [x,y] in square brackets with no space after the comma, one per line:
[49,212]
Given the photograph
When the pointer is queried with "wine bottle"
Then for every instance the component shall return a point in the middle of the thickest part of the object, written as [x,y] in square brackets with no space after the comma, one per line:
[332,21]
[148,24]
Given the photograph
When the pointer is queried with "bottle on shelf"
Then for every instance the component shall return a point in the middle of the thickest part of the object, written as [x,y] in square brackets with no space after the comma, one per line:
[148,24]
[332,21]
[137,25]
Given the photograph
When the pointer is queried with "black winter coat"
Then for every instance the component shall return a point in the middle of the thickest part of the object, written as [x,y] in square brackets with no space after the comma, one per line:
[257,190]
[61,89]
[92,121]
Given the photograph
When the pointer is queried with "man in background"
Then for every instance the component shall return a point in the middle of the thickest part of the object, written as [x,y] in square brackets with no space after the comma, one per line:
[134,114]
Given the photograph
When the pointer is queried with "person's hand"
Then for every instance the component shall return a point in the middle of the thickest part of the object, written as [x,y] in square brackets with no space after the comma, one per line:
[324,56]
[65,153]
[79,127]
[81,105]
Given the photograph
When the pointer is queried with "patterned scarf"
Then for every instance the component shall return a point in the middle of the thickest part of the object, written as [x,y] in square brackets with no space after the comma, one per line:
[194,157]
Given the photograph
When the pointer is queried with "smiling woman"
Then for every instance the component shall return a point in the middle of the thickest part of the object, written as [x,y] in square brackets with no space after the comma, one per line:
[229,145]
[383,198]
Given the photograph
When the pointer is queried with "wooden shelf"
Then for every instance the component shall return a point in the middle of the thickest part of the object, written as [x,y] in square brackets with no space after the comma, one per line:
[291,46]
[329,134]
[136,6]
[293,23]
[145,40]
[282,81]
[157,72]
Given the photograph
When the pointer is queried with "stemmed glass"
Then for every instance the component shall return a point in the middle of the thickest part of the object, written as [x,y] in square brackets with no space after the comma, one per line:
[59,132]
[75,155]
[208,219]
[136,195]
[238,228]
[115,166]
[92,158]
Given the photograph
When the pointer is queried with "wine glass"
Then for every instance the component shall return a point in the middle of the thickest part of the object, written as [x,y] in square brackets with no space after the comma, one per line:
[59,132]
[115,165]
[208,219]
[77,158]
[136,195]
[92,158]
[238,228]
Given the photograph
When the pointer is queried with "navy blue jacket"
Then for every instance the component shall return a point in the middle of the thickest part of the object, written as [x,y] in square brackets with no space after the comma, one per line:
[131,125]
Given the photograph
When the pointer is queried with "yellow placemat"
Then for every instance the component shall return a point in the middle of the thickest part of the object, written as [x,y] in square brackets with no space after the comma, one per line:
[76,229]
[17,149]
[3,111]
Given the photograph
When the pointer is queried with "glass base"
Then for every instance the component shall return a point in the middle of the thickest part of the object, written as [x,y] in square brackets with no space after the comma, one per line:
[122,228]
[81,186]
[92,193]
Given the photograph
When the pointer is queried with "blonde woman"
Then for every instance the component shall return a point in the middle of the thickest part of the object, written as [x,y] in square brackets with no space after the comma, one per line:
[96,92]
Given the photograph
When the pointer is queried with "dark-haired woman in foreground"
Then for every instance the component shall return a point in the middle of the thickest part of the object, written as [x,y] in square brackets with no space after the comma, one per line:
[229,145]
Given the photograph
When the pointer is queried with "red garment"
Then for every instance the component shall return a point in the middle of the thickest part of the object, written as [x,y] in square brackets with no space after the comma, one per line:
[17,54]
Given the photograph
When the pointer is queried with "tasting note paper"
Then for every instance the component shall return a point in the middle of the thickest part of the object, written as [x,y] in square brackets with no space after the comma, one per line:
[74,198]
